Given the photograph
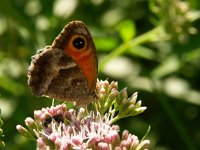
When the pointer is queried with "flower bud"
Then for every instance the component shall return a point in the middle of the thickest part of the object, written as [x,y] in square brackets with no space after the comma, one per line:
[30,123]
[105,83]
[2,144]
[125,134]
[113,93]
[102,146]
[37,114]
[138,104]
[40,143]
[114,85]
[133,98]
[140,109]
[143,144]
[23,131]
[124,93]
[1,132]
[102,91]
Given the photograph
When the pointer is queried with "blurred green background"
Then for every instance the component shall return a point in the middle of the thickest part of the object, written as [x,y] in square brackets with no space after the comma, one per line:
[149,46]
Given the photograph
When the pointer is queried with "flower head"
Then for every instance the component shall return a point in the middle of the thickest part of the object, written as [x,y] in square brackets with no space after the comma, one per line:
[177,17]
[58,127]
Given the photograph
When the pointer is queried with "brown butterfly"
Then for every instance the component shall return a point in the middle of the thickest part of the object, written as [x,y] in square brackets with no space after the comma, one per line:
[66,70]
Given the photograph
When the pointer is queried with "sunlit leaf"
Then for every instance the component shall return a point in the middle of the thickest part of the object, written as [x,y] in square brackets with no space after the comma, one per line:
[105,44]
[127,30]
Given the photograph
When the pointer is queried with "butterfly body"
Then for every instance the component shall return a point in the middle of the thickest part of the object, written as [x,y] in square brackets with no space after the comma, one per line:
[66,70]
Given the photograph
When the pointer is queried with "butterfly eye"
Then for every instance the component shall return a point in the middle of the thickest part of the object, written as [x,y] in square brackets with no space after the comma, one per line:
[79,43]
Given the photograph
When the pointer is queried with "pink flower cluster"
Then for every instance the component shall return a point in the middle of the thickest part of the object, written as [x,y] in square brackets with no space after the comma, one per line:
[60,128]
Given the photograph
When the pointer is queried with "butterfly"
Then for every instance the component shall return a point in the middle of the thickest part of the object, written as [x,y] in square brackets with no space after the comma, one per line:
[66,70]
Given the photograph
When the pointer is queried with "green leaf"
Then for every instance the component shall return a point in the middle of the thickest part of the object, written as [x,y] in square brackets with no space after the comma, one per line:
[127,30]
[105,44]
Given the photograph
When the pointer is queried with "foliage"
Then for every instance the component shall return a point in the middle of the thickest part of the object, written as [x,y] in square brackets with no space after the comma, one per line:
[151,47]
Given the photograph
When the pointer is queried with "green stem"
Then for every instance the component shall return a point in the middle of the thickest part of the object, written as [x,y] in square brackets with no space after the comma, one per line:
[148,36]
[146,134]
[115,119]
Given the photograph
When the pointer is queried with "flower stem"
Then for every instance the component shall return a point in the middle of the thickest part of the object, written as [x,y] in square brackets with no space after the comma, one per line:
[115,119]
[151,35]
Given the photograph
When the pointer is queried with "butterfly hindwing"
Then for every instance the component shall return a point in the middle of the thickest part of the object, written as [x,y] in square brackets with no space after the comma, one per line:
[66,70]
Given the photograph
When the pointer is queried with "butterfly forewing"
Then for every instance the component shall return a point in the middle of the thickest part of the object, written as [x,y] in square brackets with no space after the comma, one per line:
[55,73]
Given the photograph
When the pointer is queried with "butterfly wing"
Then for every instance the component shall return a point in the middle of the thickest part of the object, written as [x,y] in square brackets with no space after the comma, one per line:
[61,72]
[85,57]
